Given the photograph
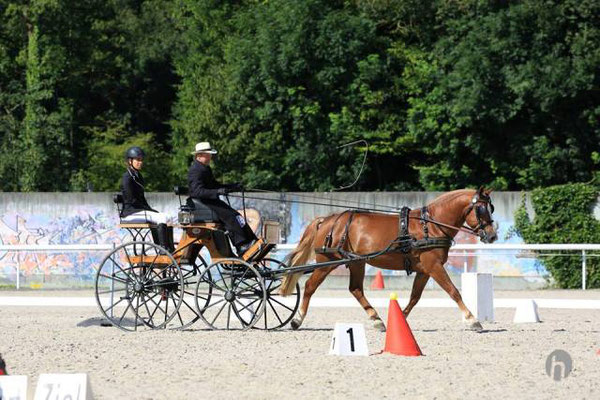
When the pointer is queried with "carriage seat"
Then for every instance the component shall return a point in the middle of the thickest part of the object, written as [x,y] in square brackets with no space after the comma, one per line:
[194,211]
[118,200]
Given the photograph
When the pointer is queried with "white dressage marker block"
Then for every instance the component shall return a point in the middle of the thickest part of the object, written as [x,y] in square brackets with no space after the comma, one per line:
[13,387]
[527,311]
[478,294]
[63,387]
[349,340]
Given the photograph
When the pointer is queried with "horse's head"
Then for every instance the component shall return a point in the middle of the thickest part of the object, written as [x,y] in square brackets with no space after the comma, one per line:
[478,216]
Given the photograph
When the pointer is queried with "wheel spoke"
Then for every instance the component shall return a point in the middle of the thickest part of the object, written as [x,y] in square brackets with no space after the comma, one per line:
[137,298]
[188,306]
[148,311]
[113,306]
[222,278]
[213,304]
[157,306]
[119,266]
[112,291]
[115,278]
[126,309]
[247,305]
[166,307]
[228,315]
[265,313]
[249,288]
[280,303]
[241,279]
[178,313]
[217,316]
[275,312]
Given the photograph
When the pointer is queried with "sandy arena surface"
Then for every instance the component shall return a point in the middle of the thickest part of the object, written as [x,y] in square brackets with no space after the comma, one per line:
[503,361]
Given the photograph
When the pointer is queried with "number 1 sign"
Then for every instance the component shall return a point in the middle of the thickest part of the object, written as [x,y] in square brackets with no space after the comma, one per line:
[349,340]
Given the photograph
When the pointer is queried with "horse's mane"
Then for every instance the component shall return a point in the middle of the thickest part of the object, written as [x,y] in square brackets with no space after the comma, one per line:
[445,197]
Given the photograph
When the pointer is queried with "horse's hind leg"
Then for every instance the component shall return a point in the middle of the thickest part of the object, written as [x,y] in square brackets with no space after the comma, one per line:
[317,277]
[440,275]
[417,289]
[357,277]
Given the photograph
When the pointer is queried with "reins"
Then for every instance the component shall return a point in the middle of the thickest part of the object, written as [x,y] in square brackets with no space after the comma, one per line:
[466,229]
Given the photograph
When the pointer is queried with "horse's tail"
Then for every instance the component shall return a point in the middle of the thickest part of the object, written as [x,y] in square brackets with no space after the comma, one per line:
[303,252]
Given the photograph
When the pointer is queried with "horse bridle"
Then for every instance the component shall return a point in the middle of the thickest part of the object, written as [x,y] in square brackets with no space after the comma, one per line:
[482,204]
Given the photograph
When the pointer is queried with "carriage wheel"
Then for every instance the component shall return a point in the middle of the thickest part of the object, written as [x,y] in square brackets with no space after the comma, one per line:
[237,295]
[187,314]
[135,286]
[279,310]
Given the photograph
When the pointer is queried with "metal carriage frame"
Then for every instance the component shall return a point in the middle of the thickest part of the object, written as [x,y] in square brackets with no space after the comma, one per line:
[142,286]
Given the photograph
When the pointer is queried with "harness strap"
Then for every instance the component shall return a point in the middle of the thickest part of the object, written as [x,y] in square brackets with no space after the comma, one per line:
[403,222]
[329,238]
[424,218]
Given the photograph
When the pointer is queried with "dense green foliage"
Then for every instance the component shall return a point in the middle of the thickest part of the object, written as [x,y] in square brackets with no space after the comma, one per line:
[563,214]
[448,93]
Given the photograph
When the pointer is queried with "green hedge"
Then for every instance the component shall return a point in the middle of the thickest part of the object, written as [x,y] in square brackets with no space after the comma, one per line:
[563,214]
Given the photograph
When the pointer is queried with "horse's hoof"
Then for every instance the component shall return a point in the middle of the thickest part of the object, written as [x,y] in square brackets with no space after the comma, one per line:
[475,326]
[379,325]
[295,324]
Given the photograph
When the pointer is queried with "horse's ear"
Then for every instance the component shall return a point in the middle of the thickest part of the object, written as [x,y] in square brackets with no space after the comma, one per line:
[480,190]
[488,192]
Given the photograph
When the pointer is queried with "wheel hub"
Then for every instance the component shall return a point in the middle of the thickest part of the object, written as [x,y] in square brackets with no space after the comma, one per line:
[138,287]
[229,296]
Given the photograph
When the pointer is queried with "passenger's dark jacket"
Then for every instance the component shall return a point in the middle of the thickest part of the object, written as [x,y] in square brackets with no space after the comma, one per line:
[202,183]
[132,187]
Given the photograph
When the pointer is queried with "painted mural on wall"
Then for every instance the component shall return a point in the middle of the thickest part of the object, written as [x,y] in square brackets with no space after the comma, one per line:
[91,224]
[85,226]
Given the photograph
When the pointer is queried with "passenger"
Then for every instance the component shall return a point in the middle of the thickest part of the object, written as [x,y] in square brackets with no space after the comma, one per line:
[135,206]
[204,187]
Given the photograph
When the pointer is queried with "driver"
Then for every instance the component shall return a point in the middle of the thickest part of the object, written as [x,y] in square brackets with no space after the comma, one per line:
[135,206]
[204,187]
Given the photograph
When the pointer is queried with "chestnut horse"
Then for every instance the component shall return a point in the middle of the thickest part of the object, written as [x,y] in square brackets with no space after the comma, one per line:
[370,232]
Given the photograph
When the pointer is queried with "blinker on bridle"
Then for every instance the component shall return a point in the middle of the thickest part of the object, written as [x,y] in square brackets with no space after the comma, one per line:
[480,210]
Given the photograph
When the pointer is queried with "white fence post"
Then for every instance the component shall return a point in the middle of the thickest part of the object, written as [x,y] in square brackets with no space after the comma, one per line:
[583,269]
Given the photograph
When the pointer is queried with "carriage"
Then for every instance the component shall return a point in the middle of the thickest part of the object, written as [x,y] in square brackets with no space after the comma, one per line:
[141,285]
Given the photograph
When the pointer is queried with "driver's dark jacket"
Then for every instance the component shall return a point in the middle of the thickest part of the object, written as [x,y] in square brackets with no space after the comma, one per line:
[132,188]
[202,183]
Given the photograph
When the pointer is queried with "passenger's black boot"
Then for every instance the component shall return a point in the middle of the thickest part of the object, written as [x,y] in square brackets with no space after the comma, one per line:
[163,237]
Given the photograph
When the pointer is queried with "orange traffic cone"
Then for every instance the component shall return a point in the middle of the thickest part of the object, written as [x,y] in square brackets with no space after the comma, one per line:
[377,283]
[399,338]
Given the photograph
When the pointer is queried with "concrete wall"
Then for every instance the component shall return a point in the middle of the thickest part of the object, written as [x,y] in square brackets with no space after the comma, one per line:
[91,218]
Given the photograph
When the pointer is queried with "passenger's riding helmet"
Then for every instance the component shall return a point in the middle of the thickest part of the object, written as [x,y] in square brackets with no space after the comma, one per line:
[134,152]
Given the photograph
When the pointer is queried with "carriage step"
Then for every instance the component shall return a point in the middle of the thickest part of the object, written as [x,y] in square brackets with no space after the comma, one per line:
[258,250]
[262,252]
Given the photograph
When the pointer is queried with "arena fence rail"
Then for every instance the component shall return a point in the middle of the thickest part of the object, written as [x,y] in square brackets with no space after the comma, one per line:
[465,250]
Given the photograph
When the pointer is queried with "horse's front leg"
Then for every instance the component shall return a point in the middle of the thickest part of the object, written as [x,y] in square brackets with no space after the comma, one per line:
[357,277]
[415,294]
[439,274]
